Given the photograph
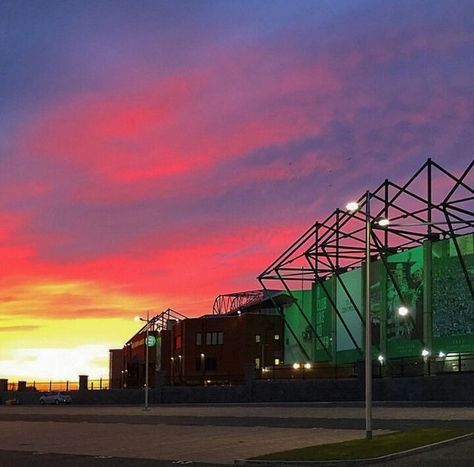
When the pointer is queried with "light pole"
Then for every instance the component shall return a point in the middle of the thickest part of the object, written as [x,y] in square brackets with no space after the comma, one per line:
[353,207]
[138,318]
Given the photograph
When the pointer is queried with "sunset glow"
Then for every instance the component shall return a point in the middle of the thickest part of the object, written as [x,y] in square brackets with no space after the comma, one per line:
[157,154]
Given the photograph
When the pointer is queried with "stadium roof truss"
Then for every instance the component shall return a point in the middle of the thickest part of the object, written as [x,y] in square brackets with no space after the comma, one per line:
[159,322]
[433,204]
[227,303]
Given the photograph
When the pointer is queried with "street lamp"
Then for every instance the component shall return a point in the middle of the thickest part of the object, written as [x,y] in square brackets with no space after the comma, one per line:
[352,207]
[147,320]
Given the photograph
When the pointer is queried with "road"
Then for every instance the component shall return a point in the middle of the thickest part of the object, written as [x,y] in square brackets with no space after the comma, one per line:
[203,434]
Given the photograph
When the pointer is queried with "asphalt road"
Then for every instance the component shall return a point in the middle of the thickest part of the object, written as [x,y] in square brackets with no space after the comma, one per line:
[341,422]
[206,435]
[39,459]
[460,454]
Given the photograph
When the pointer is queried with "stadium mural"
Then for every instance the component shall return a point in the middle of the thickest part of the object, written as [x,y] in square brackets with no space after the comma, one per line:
[405,286]
[335,307]
[453,310]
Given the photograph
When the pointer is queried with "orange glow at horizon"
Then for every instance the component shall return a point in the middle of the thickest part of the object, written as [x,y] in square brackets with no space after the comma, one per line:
[66,329]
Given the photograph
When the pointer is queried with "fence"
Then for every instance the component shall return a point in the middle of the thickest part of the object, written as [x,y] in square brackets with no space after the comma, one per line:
[100,384]
[302,371]
[435,365]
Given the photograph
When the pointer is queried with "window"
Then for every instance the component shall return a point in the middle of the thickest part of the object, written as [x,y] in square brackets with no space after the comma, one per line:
[277,337]
[257,363]
[198,338]
[257,338]
[276,361]
[210,364]
[215,338]
[177,342]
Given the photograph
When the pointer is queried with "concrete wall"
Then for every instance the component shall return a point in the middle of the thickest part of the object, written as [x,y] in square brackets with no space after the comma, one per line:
[447,388]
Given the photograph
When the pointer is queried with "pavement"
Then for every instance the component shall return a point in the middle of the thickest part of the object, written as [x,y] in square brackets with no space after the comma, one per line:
[206,434]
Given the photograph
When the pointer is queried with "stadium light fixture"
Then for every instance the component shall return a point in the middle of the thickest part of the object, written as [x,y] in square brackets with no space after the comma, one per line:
[383,222]
[352,206]
[380,359]
[425,353]
[403,311]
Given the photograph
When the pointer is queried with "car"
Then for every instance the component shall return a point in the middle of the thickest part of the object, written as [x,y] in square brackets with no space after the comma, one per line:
[55,398]
[12,402]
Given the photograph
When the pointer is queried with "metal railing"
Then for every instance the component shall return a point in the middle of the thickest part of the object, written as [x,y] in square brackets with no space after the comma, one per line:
[100,384]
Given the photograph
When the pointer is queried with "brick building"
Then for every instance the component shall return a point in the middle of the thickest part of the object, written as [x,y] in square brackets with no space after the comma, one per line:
[220,349]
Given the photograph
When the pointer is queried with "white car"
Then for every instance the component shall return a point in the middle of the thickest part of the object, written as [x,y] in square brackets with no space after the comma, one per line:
[55,398]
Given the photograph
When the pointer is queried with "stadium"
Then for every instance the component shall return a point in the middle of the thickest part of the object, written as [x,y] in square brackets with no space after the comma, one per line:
[421,249]
[308,319]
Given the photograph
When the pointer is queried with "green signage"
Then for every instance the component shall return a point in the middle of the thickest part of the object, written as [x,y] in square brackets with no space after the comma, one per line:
[150,341]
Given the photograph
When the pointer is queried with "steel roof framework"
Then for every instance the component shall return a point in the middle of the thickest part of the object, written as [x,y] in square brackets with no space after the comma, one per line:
[159,322]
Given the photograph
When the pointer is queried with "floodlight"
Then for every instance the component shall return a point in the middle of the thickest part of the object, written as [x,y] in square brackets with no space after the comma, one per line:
[352,206]
[403,311]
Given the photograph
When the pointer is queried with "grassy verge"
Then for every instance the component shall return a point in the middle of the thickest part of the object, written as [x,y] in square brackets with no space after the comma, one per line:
[362,448]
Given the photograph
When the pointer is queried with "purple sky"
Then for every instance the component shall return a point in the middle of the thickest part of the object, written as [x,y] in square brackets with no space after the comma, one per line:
[168,151]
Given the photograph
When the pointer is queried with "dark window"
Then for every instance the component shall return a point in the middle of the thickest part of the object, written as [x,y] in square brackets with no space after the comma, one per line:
[210,364]
[220,338]
[198,338]
[208,338]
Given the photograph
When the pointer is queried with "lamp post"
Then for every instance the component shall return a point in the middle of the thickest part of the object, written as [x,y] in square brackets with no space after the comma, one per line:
[352,207]
[138,318]
[368,324]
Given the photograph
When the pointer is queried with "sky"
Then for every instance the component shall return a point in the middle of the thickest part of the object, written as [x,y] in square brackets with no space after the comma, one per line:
[156,154]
